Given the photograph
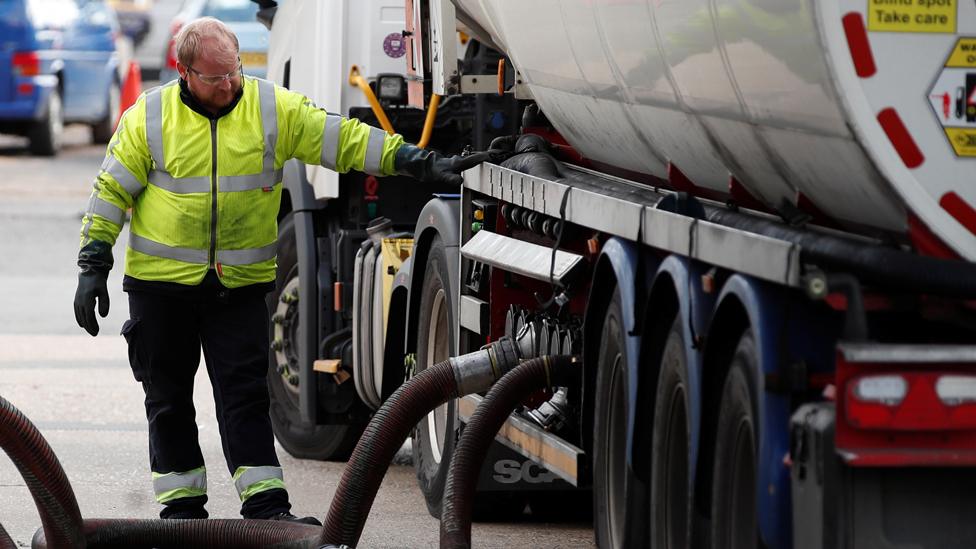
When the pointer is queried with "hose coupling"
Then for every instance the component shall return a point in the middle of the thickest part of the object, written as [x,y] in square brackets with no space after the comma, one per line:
[478,371]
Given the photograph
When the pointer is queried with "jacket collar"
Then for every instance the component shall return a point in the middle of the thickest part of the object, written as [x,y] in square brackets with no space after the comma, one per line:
[190,101]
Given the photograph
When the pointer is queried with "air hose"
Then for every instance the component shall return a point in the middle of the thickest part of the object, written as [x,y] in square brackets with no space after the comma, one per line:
[480,431]
[361,479]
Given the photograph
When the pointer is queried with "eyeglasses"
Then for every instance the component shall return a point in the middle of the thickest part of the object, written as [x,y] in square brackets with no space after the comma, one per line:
[213,80]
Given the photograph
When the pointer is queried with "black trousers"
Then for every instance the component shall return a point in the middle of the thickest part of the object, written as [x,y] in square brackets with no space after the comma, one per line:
[165,335]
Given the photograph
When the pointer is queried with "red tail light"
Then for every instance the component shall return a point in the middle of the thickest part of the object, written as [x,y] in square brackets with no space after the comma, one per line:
[912,401]
[906,405]
[26,63]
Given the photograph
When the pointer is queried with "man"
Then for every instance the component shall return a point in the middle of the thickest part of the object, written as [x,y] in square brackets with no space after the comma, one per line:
[199,163]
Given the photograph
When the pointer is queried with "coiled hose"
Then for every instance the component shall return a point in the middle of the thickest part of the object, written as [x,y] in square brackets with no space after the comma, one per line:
[392,423]
[45,478]
[62,525]
[501,400]
[6,542]
[380,441]
[193,534]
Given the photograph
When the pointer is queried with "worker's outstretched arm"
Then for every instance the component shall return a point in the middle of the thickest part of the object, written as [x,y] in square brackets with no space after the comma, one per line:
[344,144]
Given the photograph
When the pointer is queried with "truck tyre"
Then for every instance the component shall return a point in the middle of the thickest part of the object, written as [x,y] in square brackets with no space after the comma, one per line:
[610,432]
[734,499]
[103,130]
[435,436]
[321,442]
[45,134]
[671,495]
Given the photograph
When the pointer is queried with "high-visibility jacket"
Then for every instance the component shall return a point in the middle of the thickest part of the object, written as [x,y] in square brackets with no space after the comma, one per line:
[205,192]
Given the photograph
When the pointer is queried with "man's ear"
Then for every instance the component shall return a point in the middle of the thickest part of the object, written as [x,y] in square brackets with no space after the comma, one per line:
[181,69]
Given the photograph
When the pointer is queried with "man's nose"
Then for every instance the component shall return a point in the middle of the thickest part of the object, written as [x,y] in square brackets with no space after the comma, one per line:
[225,84]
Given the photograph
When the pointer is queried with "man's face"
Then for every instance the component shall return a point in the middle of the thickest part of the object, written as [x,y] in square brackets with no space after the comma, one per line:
[213,79]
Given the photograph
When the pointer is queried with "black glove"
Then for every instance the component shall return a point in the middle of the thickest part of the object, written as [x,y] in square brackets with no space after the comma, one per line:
[432,167]
[95,260]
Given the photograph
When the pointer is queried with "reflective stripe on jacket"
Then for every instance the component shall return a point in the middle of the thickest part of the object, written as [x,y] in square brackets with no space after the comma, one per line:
[204,192]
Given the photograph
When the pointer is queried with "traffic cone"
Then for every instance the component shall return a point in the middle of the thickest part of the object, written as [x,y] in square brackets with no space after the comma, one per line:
[131,88]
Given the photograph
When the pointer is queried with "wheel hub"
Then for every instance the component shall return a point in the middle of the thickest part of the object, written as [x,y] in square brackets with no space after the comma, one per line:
[285,320]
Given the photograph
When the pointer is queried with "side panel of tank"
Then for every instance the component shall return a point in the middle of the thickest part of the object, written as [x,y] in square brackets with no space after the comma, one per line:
[908,65]
[777,66]
[700,68]
[586,44]
[656,111]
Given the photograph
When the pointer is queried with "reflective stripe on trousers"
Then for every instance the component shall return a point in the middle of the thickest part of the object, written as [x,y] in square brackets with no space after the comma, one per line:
[254,480]
[175,485]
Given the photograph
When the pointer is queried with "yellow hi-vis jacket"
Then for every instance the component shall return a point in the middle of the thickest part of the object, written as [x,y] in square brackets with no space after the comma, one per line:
[205,192]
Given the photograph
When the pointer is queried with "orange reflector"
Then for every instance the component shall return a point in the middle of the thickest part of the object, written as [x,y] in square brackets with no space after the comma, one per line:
[593,246]
[337,296]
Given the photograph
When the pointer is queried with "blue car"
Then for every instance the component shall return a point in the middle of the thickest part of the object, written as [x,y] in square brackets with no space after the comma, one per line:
[58,65]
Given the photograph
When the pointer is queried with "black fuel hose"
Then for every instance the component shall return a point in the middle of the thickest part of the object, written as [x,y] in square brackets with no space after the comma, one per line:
[393,422]
[62,525]
[45,478]
[6,542]
[193,534]
[469,455]
[380,441]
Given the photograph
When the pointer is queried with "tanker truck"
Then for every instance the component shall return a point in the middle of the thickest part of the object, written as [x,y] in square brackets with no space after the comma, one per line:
[753,220]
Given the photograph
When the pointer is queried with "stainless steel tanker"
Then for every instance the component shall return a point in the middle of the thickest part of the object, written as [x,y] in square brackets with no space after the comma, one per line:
[864,108]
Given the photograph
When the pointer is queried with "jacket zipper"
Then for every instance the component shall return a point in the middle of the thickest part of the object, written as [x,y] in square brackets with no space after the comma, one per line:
[213,199]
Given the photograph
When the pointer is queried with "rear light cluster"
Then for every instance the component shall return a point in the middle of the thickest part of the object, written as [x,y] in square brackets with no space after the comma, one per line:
[26,63]
[912,401]
[905,405]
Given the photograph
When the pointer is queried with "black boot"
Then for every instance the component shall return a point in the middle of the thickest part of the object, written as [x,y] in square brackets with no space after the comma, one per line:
[185,508]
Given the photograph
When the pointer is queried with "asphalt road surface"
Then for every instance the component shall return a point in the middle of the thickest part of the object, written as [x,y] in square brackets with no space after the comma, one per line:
[80,393]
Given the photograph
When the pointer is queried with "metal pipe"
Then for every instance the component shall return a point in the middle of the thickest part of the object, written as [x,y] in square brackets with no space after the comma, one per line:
[356,79]
[435,101]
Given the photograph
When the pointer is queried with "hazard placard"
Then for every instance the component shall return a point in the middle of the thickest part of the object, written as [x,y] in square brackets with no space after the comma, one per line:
[912,15]
[953,97]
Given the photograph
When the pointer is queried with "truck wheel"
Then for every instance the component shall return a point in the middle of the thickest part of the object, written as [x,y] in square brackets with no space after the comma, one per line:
[671,495]
[610,432]
[45,134]
[434,438]
[734,476]
[103,130]
[322,442]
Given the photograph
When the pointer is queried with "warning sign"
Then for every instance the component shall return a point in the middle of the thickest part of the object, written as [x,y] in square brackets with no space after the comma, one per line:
[953,96]
[912,15]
